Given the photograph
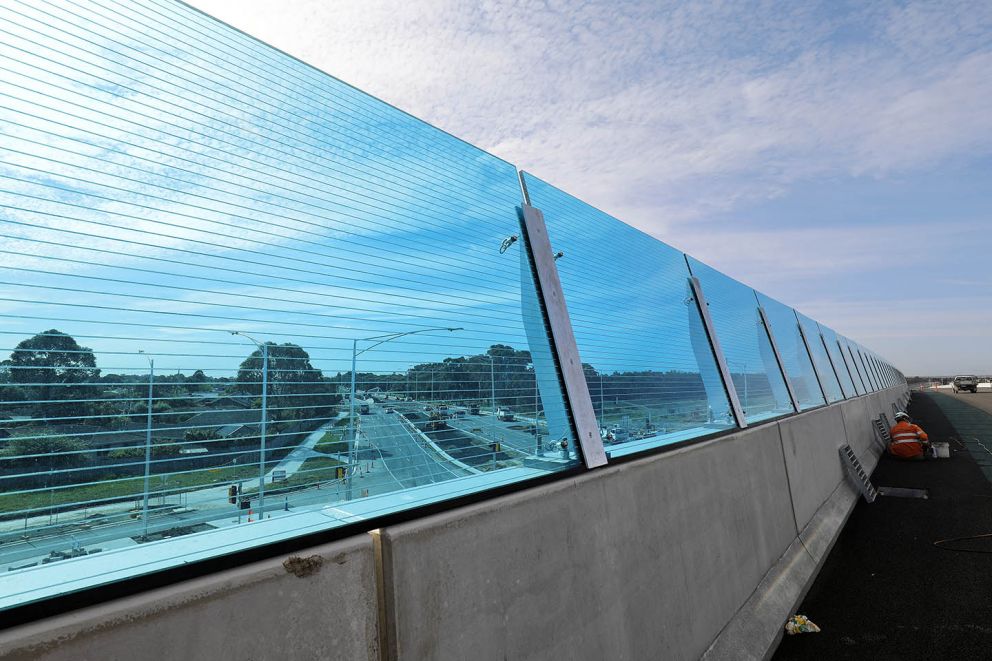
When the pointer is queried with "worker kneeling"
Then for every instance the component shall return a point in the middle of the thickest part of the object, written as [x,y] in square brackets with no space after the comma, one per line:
[908,440]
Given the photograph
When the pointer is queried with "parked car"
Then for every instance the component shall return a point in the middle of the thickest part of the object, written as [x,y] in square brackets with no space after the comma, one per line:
[967,383]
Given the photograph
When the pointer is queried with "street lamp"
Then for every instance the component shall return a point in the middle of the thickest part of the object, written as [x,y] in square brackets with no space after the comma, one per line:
[382,339]
[537,429]
[264,349]
[492,387]
[148,440]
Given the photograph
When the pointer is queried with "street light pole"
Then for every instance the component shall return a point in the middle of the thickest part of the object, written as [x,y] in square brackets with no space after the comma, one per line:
[264,349]
[388,337]
[265,420]
[537,429]
[148,442]
[351,420]
[492,386]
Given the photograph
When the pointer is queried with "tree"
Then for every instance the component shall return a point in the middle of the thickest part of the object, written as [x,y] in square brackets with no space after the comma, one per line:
[52,366]
[198,382]
[296,389]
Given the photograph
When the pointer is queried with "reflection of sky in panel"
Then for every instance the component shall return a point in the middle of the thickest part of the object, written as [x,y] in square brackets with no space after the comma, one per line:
[191,198]
[820,359]
[830,338]
[797,362]
[746,348]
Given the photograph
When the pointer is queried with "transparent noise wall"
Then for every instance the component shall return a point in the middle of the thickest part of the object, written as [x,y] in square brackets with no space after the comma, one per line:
[237,290]
[648,362]
[242,301]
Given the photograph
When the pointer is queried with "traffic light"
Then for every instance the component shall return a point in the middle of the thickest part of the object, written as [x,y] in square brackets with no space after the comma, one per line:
[339,472]
[232,494]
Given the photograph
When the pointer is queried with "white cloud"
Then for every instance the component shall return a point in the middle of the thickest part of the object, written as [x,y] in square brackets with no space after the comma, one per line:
[664,113]
[661,113]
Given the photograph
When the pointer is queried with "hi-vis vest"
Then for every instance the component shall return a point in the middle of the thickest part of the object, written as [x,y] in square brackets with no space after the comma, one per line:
[906,439]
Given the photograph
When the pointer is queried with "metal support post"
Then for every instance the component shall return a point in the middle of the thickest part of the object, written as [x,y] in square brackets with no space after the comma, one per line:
[721,362]
[861,378]
[778,358]
[812,361]
[847,366]
[840,384]
[562,338]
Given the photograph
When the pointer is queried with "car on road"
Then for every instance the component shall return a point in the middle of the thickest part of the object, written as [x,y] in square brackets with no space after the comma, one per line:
[390,410]
[967,383]
[618,434]
[363,409]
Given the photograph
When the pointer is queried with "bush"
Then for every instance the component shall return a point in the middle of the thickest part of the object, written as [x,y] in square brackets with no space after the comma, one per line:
[56,447]
[126,453]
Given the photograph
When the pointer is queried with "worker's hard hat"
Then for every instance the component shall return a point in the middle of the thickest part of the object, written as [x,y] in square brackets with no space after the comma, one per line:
[902,415]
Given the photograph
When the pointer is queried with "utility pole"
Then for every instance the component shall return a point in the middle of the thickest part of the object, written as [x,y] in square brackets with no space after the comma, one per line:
[148,442]
[263,348]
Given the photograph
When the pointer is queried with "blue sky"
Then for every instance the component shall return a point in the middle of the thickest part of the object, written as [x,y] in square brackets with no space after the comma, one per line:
[837,156]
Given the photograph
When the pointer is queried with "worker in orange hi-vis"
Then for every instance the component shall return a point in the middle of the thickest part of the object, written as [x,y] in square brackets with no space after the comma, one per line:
[908,440]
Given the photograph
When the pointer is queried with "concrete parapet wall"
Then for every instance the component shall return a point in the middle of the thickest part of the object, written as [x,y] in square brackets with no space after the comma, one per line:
[259,611]
[703,551]
[605,566]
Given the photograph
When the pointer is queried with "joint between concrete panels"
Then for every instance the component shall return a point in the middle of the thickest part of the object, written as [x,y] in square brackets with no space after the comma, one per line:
[788,479]
[386,616]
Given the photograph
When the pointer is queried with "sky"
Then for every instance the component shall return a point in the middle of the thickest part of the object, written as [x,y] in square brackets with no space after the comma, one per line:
[836,156]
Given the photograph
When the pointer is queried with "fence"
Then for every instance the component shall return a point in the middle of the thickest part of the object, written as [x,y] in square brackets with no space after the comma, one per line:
[236,290]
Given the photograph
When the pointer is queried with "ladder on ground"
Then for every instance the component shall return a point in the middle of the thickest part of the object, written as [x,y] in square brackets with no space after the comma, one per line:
[857,473]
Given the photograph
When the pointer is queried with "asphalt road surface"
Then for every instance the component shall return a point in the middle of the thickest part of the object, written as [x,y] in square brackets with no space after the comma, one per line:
[402,453]
[980,400]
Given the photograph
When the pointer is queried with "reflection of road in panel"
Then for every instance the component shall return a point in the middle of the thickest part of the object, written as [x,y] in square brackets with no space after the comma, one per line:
[405,459]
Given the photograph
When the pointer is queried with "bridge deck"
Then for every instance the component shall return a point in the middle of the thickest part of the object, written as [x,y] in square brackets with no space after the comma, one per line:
[887,591]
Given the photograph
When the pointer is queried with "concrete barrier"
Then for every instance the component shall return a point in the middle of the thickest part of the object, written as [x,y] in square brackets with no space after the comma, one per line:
[259,611]
[616,564]
[703,551]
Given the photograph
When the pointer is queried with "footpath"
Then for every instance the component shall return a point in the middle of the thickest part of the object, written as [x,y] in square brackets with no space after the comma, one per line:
[910,578]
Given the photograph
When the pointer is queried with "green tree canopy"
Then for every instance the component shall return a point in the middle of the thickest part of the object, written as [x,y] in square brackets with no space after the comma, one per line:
[55,369]
[296,389]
